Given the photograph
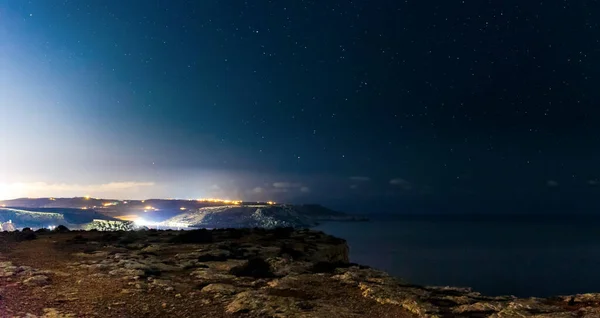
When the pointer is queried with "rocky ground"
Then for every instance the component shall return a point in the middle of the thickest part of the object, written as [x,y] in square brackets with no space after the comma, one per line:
[227,273]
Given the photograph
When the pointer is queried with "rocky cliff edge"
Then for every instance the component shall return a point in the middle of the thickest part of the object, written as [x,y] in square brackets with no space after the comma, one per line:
[228,273]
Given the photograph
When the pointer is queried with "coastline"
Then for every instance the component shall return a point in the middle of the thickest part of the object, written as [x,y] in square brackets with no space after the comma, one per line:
[230,273]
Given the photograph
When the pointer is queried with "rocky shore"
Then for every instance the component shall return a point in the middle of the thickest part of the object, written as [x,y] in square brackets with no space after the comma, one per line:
[228,273]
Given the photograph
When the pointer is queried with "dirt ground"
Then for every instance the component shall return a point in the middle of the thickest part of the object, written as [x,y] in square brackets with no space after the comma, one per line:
[92,274]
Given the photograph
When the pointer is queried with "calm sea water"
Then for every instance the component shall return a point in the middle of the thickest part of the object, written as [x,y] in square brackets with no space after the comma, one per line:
[522,258]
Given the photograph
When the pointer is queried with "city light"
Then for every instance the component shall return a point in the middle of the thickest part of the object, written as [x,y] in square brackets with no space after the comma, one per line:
[220,201]
[144,222]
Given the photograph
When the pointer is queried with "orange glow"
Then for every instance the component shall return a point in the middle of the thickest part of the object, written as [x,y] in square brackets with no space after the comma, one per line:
[220,201]
[130,217]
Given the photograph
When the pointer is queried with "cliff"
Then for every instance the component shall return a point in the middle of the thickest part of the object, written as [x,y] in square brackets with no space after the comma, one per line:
[228,273]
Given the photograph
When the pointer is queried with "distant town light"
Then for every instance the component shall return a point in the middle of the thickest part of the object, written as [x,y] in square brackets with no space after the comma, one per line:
[144,222]
[182,208]
[220,201]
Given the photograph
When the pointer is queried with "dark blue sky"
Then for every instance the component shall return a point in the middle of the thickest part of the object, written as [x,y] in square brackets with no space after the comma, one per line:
[386,105]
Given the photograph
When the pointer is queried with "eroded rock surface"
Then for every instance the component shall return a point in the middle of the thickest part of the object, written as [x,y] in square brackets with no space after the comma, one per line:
[228,273]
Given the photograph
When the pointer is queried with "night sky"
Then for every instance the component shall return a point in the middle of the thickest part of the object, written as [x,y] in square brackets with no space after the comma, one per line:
[366,106]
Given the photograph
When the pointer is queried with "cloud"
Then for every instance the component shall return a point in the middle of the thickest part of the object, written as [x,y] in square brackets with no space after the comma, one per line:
[360,179]
[354,186]
[593,182]
[286,185]
[552,183]
[401,183]
[271,191]
[258,190]
[43,189]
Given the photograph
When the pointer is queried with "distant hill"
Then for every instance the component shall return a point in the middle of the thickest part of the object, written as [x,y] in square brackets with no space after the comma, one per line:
[44,217]
[37,212]
[267,216]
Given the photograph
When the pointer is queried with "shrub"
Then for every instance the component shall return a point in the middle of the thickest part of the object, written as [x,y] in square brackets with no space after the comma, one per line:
[290,251]
[61,229]
[194,236]
[255,267]
[282,232]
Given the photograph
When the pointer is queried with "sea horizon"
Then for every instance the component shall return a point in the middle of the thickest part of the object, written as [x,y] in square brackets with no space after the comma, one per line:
[525,257]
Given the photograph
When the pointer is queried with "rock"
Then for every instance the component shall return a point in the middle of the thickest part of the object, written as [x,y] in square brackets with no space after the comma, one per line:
[255,267]
[222,289]
[161,282]
[257,273]
[53,313]
[124,272]
[195,236]
[263,305]
[213,256]
[39,280]
[99,267]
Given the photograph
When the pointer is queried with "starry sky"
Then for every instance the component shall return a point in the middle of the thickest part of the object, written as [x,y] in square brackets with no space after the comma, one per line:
[365,106]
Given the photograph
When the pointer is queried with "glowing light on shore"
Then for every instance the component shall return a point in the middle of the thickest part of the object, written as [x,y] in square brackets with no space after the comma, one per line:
[130,217]
[144,222]
[210,200]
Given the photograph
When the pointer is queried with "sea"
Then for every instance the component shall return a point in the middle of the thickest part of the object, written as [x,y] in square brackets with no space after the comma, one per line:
[535,256]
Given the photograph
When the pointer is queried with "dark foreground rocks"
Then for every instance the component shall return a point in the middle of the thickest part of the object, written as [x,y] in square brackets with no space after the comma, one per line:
[227,273]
